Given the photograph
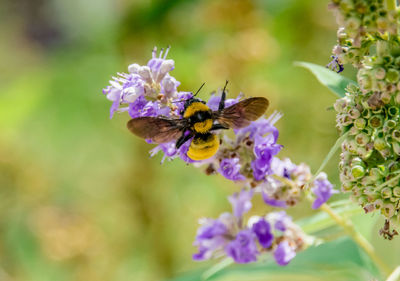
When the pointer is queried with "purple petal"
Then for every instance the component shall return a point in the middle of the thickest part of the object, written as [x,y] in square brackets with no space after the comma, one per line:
[262,229]
[241,202]
[284,253]
[243,249]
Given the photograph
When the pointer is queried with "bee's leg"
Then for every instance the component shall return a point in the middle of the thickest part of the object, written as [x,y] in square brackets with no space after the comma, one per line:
[223,96]
[183,139]
[218,127]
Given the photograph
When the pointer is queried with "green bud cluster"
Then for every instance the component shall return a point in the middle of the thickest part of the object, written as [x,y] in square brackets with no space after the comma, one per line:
[369,114]
[361,24]
[369,165]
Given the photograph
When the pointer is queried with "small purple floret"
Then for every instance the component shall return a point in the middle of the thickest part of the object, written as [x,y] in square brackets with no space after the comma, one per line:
[243,249]
[262,230]
[284,253]
[230,169]
[323,190]
[241,202]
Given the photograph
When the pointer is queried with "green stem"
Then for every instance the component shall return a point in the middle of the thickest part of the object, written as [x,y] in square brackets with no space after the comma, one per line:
[348,226]
[345,223]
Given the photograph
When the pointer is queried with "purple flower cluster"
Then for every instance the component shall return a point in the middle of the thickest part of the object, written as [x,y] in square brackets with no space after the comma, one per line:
[228,236]
[249,157]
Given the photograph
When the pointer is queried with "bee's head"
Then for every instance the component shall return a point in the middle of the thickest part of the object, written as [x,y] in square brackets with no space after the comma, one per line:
[188,102]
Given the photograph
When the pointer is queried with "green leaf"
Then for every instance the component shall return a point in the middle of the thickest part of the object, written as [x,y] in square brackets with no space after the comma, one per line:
[341,260]
[335,82]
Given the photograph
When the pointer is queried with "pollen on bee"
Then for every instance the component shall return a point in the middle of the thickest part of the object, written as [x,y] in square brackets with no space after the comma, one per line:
[203,127]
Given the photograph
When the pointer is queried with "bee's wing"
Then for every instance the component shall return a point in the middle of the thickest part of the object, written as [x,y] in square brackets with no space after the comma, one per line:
[242,113]
[159,130]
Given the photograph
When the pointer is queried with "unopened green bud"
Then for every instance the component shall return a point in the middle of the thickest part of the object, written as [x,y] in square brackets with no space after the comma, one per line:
[375,121]
[379,73]
[354,113]
[389,125]
[353,131]
[396,191]
[362,139]
[396,134]
[380,144]
[346,5]
[397,61]
[357,171]
[362,200]
[352,146]
[382,48]
[365,81]
[363,152]
[396,147]
[386,153]
[375,174]
[341,104]
[386,97]
[366,113]
[346,186]
[393,111]
[387,210]
[382,23]
[386,192]
[387,59]
[352,89]
[378,203]
[392,76]
[360,123]
[383,170]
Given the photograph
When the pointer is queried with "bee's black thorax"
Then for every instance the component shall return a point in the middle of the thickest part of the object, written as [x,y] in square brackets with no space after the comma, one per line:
[199,116]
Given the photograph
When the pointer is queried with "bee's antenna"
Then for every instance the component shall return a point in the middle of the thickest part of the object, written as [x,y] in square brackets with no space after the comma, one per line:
[193,95]
[199,89]
[226,84]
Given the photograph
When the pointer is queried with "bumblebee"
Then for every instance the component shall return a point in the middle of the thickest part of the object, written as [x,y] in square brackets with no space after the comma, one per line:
[199,122]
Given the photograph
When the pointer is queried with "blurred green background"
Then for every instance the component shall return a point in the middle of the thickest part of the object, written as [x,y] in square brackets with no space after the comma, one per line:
[79,197]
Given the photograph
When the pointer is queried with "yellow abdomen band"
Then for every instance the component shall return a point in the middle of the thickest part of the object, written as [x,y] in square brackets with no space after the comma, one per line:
[201,149]
[203,127]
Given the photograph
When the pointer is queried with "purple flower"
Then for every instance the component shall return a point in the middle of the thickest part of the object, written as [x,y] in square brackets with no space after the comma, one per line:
[262,230]
[273,202]
[243,249]
[211,237]
[284,253]
[147,90]
[213,102]
[323,190]
[261,127]
[230,169]
[168,148]
[241,202]
[281,220]
[265,148]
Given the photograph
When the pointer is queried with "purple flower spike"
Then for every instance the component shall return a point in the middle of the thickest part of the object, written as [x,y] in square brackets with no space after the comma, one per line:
[262,229]
[230,169]
[241,202]
[323,190]
[284,253]
[243,249]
